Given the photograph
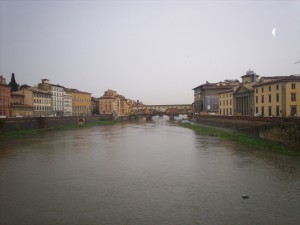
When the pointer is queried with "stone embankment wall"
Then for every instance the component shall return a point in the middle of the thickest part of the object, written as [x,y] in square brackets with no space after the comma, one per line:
[31,123]
[287,133]
[282,130]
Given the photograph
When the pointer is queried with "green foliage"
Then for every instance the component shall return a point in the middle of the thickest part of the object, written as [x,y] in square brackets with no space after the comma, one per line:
[242,138]
[17,125]
[13,84]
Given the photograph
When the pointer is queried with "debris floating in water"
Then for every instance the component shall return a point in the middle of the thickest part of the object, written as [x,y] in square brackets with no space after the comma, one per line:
[245,196]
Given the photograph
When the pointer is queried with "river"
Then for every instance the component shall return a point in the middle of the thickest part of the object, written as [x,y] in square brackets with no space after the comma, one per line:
[144,173]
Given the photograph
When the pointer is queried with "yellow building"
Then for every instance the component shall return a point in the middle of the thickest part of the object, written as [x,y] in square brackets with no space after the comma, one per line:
[110,103]
[226,103]
[19,107]
[127,107]
[278,96]
[81,102]
[22,111]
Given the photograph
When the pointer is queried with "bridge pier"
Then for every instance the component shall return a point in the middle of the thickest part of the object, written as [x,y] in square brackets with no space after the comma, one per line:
[81,121]
[171,116]
[190,116]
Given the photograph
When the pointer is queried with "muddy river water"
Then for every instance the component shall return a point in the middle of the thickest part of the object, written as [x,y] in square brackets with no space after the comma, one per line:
[144,173]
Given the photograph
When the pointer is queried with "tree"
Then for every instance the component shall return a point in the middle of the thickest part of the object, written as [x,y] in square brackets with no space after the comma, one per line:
[13,84]
[24,86]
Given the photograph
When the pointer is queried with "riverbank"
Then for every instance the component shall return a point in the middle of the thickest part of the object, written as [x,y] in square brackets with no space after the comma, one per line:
[20,133]
[275,129]
[241,138]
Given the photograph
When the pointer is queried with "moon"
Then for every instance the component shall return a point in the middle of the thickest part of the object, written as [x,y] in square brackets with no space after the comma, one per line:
[274,32]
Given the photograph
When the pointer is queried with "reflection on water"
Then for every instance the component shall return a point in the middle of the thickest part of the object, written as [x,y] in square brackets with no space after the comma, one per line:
[144,173]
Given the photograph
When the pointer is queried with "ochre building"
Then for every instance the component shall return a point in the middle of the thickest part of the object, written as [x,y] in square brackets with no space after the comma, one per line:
[5,109]
[278,96]
[113,103]
[81,102]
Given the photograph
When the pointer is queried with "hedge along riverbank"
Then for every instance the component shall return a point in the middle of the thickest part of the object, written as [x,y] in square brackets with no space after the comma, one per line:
[242,138]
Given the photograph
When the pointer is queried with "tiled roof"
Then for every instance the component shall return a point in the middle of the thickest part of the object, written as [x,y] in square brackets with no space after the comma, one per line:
[213,86]
[36,90]
[72,90]
[295,77]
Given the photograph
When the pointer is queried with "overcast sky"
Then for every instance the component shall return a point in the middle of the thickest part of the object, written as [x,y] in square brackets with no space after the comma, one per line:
[153,51]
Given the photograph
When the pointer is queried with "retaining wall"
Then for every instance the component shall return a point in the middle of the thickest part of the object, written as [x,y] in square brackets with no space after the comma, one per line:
[282,130]
[30,123]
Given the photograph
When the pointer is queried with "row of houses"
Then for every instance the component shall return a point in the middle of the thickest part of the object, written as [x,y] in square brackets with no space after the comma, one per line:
[254,96]
[49,100]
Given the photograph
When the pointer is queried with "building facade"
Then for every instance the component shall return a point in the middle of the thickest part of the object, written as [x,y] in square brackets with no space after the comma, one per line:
[57,98]
[95,106]
[41,102]
[243,97]
[5,109]
[127,107]
[278,96]
[226,102]
[243,101]
[206,96]
[110,103]
[23,107]
[81,102]
[68,111]
[19,108]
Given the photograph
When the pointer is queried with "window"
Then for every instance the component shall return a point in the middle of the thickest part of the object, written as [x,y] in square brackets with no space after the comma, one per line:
[256,109]
[277,87]
[262,111]
[270,110]
[262,99]
[277,111]
[293,97]
[293,110]
[262,90]
[270,88]
[256,90]
[277,97]
[270,98]
[293,86]
[256,99]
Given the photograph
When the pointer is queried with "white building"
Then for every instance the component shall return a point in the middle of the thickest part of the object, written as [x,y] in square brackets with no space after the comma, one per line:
[57,92]
[68,104]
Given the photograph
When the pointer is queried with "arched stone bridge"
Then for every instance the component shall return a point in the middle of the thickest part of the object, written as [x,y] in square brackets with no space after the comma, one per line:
[159,110]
